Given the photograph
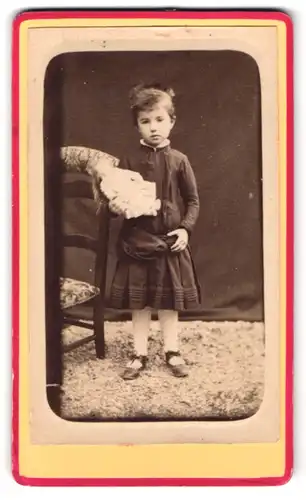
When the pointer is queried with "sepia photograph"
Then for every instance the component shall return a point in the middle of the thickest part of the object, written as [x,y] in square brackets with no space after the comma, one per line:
[153,248]
[154,283]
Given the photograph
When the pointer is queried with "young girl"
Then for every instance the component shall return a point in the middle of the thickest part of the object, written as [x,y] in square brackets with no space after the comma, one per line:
[155,269]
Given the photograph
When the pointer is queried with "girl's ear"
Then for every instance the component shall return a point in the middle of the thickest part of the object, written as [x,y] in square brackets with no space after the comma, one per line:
[173,120]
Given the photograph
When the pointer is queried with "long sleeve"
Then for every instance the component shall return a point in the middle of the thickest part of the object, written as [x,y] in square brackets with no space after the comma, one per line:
[124,163]
[189,192]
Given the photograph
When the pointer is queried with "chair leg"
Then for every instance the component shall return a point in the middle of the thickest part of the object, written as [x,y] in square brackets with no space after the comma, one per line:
[101,272]
[98,327]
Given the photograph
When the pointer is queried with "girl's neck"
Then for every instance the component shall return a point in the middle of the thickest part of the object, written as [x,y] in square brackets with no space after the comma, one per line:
[163,144]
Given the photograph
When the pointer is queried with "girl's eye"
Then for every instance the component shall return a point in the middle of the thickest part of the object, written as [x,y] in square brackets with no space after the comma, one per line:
[143,122]
[160,119]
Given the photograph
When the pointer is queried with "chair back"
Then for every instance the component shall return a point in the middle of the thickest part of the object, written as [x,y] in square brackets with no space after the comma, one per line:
[80,228]
[84,233]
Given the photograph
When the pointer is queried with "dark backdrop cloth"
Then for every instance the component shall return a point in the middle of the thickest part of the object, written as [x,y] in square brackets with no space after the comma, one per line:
[218,127]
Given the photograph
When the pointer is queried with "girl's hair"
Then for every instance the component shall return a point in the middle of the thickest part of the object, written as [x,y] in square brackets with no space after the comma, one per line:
[144,97]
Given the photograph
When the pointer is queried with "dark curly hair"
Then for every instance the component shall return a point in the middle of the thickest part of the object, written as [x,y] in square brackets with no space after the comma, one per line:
[145,96]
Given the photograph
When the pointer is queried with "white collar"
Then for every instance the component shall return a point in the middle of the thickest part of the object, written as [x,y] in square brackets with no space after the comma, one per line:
[163,144]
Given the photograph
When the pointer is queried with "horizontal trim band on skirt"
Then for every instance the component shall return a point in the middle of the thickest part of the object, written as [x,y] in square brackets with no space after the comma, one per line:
[161,292]
[179,300]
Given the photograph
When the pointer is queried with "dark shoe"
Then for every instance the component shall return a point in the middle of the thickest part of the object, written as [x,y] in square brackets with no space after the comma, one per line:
[178,368]
[134,368]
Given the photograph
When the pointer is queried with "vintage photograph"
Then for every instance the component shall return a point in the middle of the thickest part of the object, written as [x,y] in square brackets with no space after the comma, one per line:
[154,293]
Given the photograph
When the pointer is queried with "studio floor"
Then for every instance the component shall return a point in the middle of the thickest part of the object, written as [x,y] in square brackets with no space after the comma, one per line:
[226,375]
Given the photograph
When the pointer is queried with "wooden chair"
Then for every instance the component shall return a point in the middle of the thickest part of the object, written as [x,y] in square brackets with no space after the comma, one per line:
[76,256]
[85,245]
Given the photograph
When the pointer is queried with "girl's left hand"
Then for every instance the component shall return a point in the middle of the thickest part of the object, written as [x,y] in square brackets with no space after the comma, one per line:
[182,239]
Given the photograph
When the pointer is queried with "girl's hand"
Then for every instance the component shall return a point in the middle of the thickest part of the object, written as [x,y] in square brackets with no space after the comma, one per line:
[182,239]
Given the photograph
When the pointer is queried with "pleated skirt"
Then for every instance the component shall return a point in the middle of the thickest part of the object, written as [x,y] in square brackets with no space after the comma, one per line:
[167,282]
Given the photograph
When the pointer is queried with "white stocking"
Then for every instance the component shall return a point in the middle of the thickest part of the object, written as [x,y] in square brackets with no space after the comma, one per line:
[141,327]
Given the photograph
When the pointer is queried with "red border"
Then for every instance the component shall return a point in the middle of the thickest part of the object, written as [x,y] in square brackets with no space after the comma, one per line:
[272,481]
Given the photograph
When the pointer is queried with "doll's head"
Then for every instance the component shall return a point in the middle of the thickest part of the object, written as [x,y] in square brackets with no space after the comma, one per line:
[153,112]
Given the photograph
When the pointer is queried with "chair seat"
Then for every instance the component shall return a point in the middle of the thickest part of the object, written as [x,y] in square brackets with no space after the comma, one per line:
[74,292]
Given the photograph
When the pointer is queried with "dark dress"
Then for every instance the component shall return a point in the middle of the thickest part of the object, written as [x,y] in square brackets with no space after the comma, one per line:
[169,281]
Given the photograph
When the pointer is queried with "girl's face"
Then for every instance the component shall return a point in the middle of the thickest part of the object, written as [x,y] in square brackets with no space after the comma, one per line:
[154,125]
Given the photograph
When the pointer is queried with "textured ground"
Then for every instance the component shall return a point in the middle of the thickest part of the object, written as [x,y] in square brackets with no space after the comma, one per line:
[226,363]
